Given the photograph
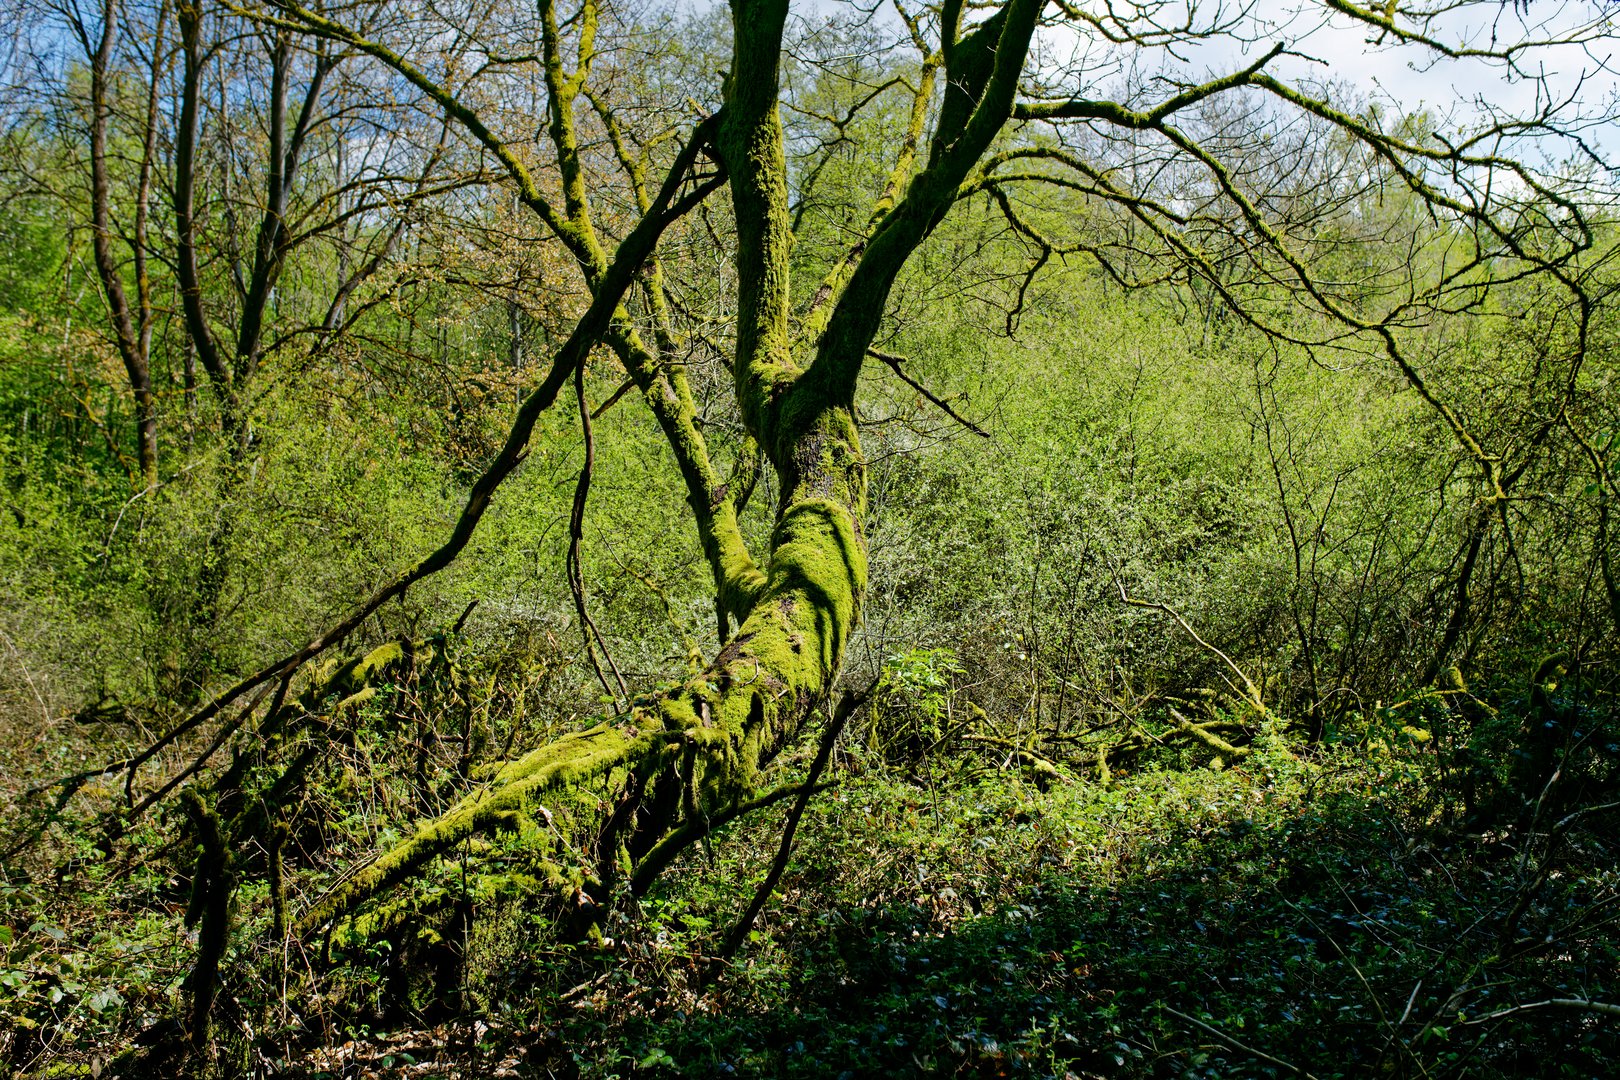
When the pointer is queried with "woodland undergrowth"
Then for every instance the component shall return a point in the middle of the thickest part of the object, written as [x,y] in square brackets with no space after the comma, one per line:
[1364,905]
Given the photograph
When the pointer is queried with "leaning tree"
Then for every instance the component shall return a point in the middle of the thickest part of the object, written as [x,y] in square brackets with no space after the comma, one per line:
[1155,140]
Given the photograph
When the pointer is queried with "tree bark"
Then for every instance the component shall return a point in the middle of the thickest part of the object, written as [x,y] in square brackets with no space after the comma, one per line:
[127,335]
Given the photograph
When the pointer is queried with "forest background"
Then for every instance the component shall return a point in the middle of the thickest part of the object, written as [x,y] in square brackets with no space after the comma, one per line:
[1223,682]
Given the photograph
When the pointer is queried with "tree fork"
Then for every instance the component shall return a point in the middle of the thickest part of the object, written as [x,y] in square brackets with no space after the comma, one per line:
[754,696]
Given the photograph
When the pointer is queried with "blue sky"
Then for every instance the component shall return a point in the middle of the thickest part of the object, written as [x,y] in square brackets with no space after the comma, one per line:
[1405,77]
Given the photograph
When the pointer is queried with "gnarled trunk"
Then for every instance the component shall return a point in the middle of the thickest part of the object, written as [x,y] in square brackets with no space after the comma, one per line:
[684,757]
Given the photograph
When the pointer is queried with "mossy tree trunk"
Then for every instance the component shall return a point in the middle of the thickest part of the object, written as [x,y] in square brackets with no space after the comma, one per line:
[694,753]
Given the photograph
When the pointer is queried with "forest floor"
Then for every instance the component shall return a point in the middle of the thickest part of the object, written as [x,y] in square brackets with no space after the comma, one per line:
[1321,911]
[1317,913]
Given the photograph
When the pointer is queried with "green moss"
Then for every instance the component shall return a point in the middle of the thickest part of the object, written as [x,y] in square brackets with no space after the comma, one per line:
[570,760]
[740,581]
[347,679]
[724,722]
[539,879]
[818,570]
[680,714]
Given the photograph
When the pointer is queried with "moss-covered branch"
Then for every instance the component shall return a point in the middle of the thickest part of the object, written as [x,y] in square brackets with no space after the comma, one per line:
[737,578]
[751,141]
[815,320]
[726,722]
[981,78]
[572,759]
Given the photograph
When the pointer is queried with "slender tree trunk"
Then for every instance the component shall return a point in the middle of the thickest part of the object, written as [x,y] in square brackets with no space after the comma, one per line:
[185,185]
[127,336]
